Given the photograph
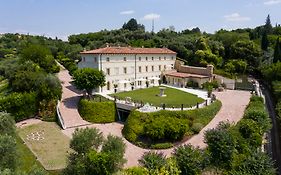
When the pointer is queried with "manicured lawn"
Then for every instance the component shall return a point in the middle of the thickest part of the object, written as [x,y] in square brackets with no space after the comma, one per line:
[27,159]
[150,95]
[51,149]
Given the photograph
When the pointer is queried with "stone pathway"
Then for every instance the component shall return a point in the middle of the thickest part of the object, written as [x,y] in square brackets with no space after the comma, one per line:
[70,99]
[233,106]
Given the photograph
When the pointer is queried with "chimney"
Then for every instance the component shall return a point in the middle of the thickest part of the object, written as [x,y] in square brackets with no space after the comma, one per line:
[107,45]
[210,69]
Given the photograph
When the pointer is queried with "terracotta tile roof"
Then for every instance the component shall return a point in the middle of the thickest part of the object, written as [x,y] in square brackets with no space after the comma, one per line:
[129,50]
[186,75]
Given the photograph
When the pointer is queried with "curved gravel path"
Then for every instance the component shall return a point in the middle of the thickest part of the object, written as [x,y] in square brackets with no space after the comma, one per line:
[233,106]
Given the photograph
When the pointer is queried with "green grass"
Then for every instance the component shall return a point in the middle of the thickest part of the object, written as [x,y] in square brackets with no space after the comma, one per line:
[27,160]
[150,95]
[53,150]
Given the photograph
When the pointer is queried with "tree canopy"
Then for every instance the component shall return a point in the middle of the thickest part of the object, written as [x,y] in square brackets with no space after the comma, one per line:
[88,79]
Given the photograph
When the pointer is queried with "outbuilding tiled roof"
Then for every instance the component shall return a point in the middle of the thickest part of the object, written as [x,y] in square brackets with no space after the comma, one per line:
[129,50]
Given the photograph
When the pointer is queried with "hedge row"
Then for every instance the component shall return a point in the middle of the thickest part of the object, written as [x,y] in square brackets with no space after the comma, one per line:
[255,122]
[21,105]
[97,112]
[69,64]
[148,129]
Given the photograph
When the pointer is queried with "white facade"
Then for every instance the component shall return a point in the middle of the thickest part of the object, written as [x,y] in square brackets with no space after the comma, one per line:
[129,70]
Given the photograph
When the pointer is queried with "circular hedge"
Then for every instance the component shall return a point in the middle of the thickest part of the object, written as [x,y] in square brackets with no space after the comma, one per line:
[158,130]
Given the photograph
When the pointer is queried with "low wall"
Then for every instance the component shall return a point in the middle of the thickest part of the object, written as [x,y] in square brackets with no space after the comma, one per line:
[180,67]
[59,116]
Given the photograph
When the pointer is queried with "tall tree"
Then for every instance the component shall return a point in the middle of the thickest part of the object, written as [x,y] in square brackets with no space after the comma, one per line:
[268,25]
[88,79]
[131,25]
[277,51]
[264,41]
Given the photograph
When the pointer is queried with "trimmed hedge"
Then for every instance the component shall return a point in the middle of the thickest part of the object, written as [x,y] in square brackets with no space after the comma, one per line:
[20,105]
[97,112]
[148,129]
[250,129]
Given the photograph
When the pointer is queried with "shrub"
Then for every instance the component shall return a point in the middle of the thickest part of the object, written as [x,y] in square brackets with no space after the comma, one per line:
[251,132]
[165,126]
[97,112]
[260,116]
[115,148]
[221,146]
[21,105]
[85,139]
[136,171]
[212,84]
[7,124]
[153,161]
[8,152]
[197,127]
[47,110]
[189,159]
[162,145]
[192,84]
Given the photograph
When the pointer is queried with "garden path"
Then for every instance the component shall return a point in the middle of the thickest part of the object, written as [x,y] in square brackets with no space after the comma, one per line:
[233,106]
[69,101]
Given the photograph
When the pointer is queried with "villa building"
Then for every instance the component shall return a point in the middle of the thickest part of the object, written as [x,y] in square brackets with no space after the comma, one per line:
[129,68]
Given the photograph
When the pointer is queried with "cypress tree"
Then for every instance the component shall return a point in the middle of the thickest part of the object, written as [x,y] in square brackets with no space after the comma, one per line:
[268,26]
[277,51]
[264,41]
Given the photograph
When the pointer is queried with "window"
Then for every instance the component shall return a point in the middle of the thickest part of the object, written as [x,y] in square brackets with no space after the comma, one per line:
[159,58]
[83,59]
[107,59]
[164,66]
[107,71]
[116,69]
[172,57]
[164,58]
[108,85]
[146,68]
[146,58]
[125,70]
[95,59]
[125,59]
[152,58]
[159,67]
[139,58]
[139,68]
[152,68]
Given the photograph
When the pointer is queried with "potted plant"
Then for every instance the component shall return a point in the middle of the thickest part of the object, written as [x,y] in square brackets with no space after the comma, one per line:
[147,83]
[115,87]
[132,85]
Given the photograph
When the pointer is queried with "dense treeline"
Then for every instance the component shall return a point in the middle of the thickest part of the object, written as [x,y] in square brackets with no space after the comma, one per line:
[27,74]
[232,52]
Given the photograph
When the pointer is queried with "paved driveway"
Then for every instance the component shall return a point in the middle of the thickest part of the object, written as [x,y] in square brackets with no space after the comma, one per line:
[233,106]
